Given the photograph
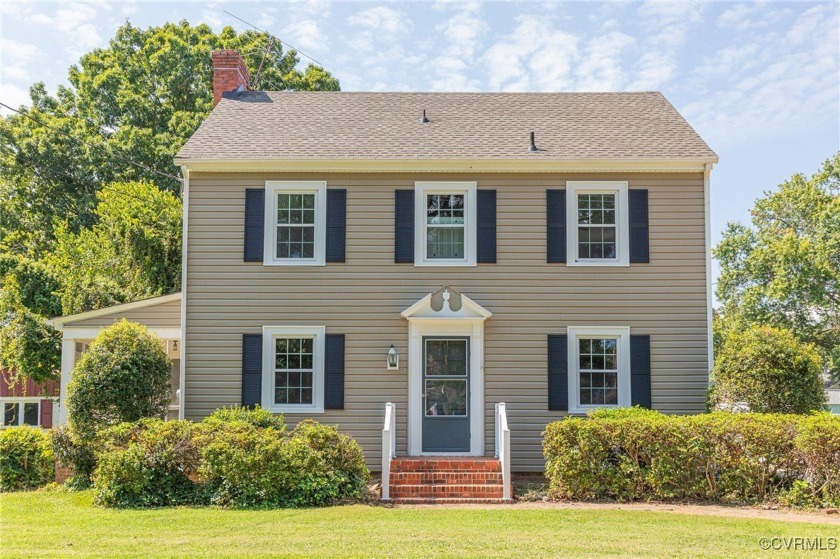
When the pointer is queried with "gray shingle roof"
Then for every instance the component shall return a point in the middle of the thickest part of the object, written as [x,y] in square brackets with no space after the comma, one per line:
[342,125]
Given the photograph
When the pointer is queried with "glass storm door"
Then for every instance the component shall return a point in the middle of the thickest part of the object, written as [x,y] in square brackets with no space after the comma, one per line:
[446,390]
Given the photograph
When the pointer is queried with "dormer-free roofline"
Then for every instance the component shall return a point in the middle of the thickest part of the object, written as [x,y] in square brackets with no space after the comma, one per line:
[445,165]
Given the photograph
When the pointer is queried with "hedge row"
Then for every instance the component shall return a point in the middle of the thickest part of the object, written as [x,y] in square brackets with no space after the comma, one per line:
[636,454]
[234,458]
[26,459]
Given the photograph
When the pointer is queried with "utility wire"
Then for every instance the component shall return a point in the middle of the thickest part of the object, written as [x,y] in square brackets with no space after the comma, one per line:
[278,40]
[121,158]
[35,167]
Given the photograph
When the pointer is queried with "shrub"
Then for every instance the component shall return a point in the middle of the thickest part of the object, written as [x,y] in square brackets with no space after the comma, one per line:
[257,416]
[147,464]
[76,452]
[26,459]
[343,458]
[770,370]
[237,457]
[124,376]
[818,441]
[722,457]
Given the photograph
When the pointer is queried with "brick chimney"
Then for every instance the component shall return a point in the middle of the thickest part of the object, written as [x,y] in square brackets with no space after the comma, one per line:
[230,73]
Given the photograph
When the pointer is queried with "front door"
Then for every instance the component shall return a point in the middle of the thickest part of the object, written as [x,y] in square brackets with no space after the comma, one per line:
[446,393]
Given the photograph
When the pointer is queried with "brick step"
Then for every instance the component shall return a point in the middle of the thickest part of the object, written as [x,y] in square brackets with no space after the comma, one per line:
[447,491]
[425,477]
[449,501]
[458,464]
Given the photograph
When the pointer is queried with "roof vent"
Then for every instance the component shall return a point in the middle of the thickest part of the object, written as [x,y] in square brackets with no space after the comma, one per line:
[533,146]
[424,120]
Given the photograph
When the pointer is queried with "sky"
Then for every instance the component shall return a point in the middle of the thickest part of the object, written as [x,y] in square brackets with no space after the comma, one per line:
[760,81]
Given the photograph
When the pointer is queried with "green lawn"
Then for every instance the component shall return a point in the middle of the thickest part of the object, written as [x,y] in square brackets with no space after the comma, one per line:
[54,524]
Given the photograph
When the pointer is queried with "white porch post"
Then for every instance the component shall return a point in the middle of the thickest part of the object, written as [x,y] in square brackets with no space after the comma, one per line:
[68,358]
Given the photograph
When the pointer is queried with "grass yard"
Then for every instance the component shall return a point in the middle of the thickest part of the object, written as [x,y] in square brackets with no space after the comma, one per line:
[56,524]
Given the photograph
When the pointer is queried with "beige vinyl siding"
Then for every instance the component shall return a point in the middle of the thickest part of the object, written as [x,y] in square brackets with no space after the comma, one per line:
[162,315]
[363,297]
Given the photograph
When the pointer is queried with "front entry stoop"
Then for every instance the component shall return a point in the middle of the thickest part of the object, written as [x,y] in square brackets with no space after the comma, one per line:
[441,480]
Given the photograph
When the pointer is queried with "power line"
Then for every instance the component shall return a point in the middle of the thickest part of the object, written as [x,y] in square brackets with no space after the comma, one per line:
[121,158]
[35,167]
[278,40]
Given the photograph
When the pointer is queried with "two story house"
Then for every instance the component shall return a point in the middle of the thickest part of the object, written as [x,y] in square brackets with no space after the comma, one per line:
[443,253]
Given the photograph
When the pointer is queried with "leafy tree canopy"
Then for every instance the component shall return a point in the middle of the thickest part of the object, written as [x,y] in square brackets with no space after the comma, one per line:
[139,99]
[784,269]
[769,370]
[133,250]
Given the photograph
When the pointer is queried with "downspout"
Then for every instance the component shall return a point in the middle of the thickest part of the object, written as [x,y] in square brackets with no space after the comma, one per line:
[707,207]
[185,203]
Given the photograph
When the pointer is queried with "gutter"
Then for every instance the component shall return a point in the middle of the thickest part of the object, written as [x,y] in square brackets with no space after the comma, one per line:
[707,216]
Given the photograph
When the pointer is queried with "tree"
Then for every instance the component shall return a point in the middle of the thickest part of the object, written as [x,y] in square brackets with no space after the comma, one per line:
[133,250]
[139,99]
[123,376]
[768,369]
[784,269]
[29,347]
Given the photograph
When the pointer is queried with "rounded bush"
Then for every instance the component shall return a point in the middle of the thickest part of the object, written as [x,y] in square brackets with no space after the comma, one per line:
[124,376]
[769,370]
[146,464]
[26,459]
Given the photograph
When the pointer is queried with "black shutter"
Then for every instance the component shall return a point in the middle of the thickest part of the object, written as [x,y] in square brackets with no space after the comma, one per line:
[640,371]
[486,245]
[251,369]
[556,225]
[558,373]
[639,242]
[334,372]
[254,224]
[404,226]
[336,224]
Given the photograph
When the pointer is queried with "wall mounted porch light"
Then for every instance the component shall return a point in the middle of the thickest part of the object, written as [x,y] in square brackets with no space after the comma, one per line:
[392,361]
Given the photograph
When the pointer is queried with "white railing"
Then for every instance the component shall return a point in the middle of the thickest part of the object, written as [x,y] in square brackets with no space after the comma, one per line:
[503,447]
[389,446]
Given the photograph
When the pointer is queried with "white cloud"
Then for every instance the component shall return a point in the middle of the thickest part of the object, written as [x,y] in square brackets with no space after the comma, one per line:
[602,67]
[461,33]
[771,86]
[78,24]
[13,95]
[307,35]
[382,19]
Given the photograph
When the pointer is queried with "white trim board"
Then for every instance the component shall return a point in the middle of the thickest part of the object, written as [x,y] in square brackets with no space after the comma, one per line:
[523,165]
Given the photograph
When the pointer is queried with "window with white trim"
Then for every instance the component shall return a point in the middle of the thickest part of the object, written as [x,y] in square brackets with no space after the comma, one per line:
[599,367]
[445,224]
[293,368]
[598,230]
[295,223]
[17,413]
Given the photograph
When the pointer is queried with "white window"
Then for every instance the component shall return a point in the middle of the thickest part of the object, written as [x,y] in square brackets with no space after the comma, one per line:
[21,412]
[599,367]
[295,223]
[293,369]
[598,230]
[445,224]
